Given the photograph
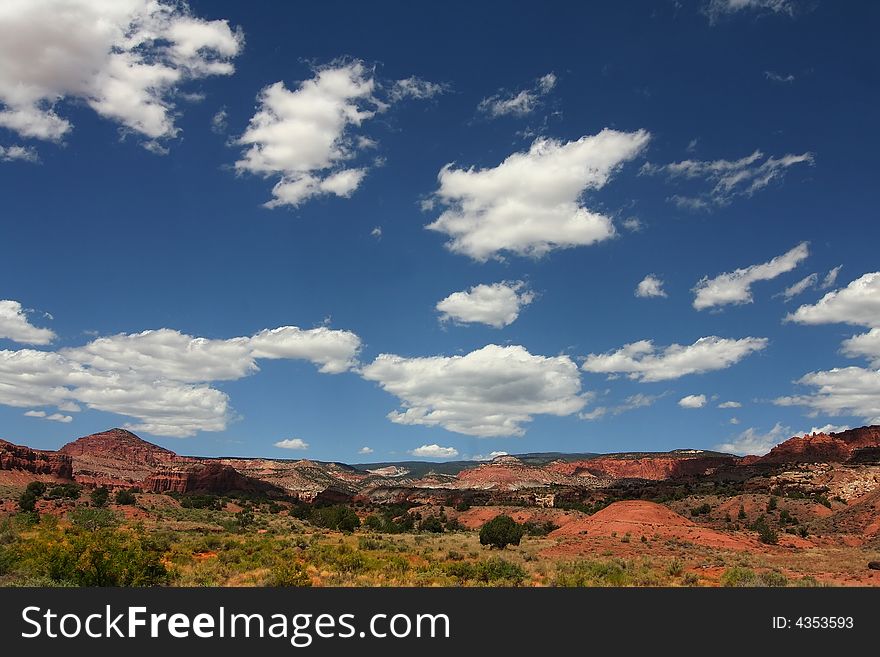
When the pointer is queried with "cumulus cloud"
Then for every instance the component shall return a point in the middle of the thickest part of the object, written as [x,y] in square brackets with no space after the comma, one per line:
[642,361]
[434,451]
[736,287]
[858,303]
[753,441]
[305,137]
[365,450]
[530,204]
[629,404]
[650,286]
[692,401]
[728,178]
[497,305]
[866,345]
[518,103]
[492,391]
[730,404]
[292,443]
[840,391]
[125,59]
[54,417]
[14,325]
[162,378]
[20,153]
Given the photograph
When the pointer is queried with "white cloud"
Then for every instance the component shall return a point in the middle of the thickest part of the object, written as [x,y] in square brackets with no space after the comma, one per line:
[365,450]
[14,325]
[376,232]
[497,305]
[692,401]
[304,137]
[54,417]
[734,420]
[642,361]
[866,345]
[487,457]
[633,224]
[650,286]
[735,287]
[800,287]
[841,391]
[829,428]
[778,77]
[518,103]
[858,303]
[20,153]
[126,59]
[831,277]
[416,88]
[728,178]
[220,122]
[717,9]
[292,443]
[630,403]
[730,404]
[161,378]
[530,204]
[434,452]
[752,441]
[492,391]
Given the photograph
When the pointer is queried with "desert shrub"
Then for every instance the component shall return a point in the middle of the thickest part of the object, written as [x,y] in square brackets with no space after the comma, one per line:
[373,522]
[125,497]
[771,504]
[690,579]
[462,506]
[244,519]
[494,571]
[532,528]
[27,502]
[500,532]
[453,525]
[64,491]
[766,533]
[431,524]
[335,517]
[288,572]
[701,510]
[100,496]
[91,519]
[201,501]
[739,576]
[742,513]
[38,488]
[675,568]
[592,573]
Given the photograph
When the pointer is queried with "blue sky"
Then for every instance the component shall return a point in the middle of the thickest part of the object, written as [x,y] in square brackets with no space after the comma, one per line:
[561,155]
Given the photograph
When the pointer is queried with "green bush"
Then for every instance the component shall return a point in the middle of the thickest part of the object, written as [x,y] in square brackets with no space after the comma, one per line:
[27,502]
[335,517]
[766,533]
[701,510]
[92,519]
[431,524]
[533,528]
[739,576]
[125,497]
[64,491]
[38,488]
[288,572]
[500,532]
[492,571]
[100,496]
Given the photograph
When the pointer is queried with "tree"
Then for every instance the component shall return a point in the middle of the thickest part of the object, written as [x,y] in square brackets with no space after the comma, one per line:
[125,497]
[100,496]
[27,502]
[500,532]
[431,524]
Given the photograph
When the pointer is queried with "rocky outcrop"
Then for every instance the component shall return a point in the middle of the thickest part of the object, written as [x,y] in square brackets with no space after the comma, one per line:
[206,477]
[826,447]
[509,473]
[35,461]
[655,468]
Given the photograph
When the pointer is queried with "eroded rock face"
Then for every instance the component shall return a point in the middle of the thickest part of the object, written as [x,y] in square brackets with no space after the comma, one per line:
[655,468]
[35,461]
[825,447]
[205,477]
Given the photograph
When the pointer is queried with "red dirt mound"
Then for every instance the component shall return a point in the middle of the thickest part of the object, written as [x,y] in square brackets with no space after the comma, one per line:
[639,518]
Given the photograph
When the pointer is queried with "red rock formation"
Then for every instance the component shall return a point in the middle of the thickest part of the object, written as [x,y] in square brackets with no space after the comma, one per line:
[205,476]
[509,473]
[824,447]
[35,461]
[655,468]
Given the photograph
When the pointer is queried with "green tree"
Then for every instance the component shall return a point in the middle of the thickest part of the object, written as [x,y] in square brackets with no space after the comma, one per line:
[431,524]
[500,532]
[27,502]
[100,496]
[125,497]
